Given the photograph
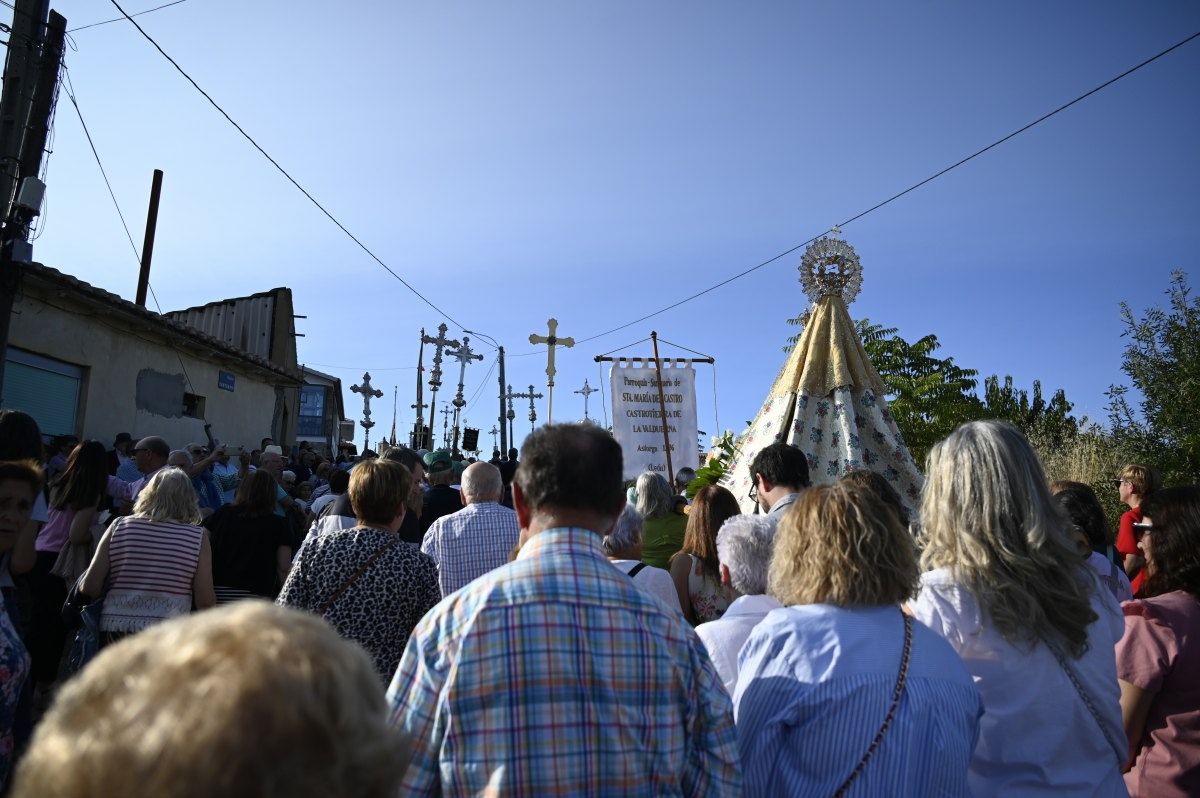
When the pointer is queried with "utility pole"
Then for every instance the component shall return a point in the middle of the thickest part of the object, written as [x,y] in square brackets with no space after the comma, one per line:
[503,431]
[30,79]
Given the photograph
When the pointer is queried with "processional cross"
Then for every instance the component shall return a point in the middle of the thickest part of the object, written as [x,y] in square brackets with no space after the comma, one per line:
[463,355]
[367,392]
[530,396]
[445,411]
[551,340]
[435,374]
[510,415]
[493,432]
[587,391]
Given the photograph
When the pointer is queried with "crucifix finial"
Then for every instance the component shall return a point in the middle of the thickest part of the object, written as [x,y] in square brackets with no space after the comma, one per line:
[551,340]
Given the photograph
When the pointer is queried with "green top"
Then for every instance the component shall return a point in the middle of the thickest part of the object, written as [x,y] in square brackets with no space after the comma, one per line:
[661,538]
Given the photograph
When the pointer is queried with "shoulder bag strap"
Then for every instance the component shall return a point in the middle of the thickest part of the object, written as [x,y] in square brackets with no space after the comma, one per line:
[901,680]
[634,570]
[1117,748]
[362,569]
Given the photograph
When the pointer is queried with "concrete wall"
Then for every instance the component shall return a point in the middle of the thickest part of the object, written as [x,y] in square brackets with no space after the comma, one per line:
[134,380]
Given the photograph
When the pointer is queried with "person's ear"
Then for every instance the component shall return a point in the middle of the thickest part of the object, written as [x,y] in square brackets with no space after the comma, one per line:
[725,575]
[521,507]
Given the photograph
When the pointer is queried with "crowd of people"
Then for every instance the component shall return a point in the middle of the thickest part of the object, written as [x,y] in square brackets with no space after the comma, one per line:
[413,623]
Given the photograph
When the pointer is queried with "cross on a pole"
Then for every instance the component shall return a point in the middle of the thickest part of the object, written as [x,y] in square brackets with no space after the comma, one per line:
[418,436]
[463,355]
[510,415]
[445,411]
[551,340]
[493,432]
[530,396]
[587,391]
[367,392]
[435,374]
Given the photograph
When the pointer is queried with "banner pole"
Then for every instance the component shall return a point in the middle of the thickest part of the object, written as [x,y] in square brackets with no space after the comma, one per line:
[662,406]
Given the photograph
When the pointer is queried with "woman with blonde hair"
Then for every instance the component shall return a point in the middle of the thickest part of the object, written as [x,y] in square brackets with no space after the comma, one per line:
[247,700]
[1008,591]
[663,528]
[157,563]
[695,570]
[817,676]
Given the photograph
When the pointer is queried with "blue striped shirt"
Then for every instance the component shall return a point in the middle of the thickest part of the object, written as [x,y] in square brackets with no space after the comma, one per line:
[814,685]
[556,675]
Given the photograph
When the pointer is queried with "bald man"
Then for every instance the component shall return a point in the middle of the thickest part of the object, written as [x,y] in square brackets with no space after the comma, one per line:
[469,543]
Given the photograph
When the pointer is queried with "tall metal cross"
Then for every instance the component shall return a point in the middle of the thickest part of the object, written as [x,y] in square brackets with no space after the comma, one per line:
[435,374]
[551,340]
[445,427]
[530,396]
[510,415]
[492,432]
[463,355]
[587,391]
[367,392]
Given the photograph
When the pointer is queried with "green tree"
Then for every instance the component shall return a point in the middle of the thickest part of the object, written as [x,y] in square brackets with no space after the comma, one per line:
[1162,361]
[929,396]
[1051,423]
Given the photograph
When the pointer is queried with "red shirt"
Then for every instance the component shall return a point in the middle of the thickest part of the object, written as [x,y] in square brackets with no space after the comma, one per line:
[1127,543]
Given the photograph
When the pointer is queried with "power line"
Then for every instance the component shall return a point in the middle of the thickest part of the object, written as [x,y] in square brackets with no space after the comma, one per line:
[121,19]
[70,87]
[283,171]
[892,198]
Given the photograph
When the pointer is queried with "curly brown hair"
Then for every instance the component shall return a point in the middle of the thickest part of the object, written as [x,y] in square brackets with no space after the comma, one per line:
[841,544]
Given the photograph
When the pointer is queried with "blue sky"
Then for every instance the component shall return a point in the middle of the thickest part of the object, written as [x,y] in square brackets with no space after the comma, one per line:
[598,161]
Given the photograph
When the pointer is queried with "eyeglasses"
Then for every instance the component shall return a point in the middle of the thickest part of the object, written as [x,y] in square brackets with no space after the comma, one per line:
[1116,483]
[754,489]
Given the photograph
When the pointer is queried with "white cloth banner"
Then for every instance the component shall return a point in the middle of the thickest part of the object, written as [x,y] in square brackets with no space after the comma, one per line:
[637,418]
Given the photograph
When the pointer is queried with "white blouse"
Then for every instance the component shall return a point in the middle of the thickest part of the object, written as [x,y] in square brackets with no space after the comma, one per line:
[1037,736]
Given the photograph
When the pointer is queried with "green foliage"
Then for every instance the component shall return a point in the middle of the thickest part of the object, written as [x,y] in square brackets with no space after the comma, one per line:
[930,396]
[1162,360]
[717,466]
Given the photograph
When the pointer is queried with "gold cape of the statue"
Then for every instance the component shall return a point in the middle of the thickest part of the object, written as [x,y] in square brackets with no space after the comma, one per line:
[829,355]
[829,402]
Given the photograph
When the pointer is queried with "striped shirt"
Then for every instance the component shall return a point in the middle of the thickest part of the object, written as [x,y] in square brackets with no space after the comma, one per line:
[814,685]
[469,543]
[151,568]
[556,675]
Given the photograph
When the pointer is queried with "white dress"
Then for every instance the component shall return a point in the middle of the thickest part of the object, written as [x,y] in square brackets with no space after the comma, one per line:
[1037,736]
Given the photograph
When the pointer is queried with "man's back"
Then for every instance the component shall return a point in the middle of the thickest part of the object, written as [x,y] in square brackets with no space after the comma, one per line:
[468,544]
[555,675]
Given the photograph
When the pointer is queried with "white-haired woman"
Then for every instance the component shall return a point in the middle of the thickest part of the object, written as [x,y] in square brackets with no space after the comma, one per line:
[663,528]
[623,545]
[1008,592]
[157,563]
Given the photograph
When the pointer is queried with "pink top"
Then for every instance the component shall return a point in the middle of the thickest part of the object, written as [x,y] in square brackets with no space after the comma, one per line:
[1160,653]
[53,534]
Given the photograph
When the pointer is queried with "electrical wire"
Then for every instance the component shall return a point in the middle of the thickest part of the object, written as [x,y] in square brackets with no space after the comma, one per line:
[283,171]
[895,196]
[137,256]
[122,19]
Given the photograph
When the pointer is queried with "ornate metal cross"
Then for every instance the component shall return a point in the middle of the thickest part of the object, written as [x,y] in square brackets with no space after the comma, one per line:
[463,355]
[435,374]
[587,391]
[530,396]
[367,392]
[510,415]
[551,340]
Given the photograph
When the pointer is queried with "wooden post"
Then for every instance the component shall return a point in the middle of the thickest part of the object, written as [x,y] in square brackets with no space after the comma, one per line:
[503,432]
[148,243]
[662,406]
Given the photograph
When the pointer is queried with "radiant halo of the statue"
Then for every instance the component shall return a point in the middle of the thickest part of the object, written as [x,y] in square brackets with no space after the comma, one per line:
[830,266]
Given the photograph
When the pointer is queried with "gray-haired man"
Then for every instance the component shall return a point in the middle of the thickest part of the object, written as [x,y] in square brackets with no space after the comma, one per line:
[744,545]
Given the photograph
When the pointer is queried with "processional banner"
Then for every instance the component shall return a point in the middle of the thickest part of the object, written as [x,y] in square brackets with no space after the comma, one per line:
[638,422]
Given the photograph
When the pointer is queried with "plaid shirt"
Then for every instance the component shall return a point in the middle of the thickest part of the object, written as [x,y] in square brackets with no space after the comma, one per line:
[469,543]
[556,675]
